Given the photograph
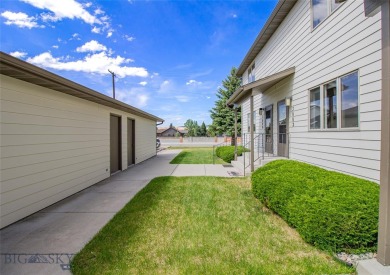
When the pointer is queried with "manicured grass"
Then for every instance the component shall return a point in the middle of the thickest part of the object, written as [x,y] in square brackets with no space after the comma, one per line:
[200,225]
[196,156]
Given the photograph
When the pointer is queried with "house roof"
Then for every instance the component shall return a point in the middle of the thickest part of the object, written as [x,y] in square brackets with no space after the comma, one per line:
[262,84]
[179,129]
[19,69]
[277,16]
[162,130]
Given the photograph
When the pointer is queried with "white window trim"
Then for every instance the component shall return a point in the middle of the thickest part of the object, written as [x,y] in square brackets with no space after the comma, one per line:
[339,128]
[329,13]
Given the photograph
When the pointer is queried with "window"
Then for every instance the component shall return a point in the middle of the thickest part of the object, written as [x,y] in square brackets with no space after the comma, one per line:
[349,101]
[330,103]
[315,108]
[251,73]
[335,105]
[322,9]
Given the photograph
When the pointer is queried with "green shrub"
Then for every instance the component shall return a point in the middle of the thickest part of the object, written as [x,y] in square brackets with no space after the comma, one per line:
[227,152]
[330,210]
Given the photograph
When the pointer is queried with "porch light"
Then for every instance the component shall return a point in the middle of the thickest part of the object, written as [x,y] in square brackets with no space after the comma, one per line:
[261,111]
[287,101]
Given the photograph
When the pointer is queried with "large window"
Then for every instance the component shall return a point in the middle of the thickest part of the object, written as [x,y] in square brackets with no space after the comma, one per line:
[335,104]
[251,73]
[322,9]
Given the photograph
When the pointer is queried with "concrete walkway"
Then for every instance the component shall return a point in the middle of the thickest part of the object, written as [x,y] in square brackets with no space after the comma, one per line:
[44,242]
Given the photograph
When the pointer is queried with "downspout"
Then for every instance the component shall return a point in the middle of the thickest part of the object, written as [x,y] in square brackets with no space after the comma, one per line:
[252,135]
[383,256]
[235,133]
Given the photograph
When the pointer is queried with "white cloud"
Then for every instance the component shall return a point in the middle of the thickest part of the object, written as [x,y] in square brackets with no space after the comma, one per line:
[143,83]
[92,63]
[55,46]
[20,19]
[98,11]
[91,46]
[105,18]
[182,98]
[128,38]
[135,97]
[87,5]
[64,9]
[18,54]
[208,97]
[109,34]
[96,30]
[193,83]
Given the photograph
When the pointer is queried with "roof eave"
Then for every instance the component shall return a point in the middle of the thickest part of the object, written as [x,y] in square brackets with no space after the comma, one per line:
[22,70]
[276,18]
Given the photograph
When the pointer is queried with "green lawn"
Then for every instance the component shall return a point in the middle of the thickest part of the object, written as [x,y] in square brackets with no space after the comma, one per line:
[196,156]
[200,225]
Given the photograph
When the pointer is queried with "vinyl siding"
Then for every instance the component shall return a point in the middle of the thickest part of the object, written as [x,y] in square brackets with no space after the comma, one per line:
[344,42]
[54,145]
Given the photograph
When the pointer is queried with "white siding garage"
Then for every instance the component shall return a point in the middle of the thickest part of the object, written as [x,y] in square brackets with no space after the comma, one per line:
[54,143]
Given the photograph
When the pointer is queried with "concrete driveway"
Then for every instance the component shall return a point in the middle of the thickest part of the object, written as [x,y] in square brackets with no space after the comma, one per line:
[44,242]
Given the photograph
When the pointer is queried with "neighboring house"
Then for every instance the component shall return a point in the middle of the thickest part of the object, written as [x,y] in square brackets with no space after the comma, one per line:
[312,86]
[58,137]
[171,132]
[166,132]
[183,130]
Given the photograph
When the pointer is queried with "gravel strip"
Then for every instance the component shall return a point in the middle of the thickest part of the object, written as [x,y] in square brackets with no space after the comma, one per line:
[353,259]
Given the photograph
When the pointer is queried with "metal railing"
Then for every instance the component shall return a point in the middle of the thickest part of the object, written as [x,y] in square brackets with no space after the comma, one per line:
[227,142]
[265,145]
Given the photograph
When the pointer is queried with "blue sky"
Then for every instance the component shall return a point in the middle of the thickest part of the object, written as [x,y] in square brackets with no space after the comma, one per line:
[170,56]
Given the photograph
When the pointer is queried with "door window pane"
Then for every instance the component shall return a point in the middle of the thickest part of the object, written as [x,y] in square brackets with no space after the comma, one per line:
[315,108]
[282,123]
[320,11]
[349,101]
[268,125]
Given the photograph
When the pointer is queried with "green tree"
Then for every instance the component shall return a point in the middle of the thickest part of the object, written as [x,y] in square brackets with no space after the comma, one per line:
[223,116]
[203,130]
[192,127]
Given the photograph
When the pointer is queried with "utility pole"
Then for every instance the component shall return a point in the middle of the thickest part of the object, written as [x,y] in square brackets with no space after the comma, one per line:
[113,83]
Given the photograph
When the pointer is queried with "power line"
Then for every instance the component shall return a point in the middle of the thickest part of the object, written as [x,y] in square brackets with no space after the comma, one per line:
[113,83]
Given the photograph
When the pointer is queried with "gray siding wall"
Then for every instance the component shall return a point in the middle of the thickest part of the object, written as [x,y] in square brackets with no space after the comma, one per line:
[344,42]
[54,145]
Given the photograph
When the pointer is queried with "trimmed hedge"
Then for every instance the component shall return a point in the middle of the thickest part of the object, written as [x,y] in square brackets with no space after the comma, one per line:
[330,210]
[227,152]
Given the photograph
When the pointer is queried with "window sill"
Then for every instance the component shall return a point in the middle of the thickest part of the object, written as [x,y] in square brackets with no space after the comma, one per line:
[335,130]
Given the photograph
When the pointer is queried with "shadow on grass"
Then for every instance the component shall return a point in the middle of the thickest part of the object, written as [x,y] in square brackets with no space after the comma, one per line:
[125,225]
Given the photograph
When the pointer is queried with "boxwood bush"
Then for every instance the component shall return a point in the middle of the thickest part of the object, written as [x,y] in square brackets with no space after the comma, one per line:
[330,210]
[227,152]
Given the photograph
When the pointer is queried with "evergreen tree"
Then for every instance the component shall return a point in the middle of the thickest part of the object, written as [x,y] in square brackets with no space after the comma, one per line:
[223,116]
[203,130]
